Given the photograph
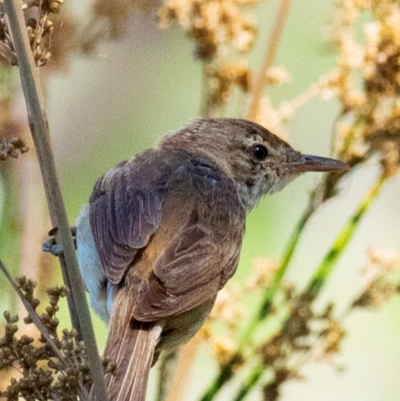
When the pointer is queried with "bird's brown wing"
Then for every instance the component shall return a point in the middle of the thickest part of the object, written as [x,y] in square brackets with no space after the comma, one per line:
[200,251]
[125,210]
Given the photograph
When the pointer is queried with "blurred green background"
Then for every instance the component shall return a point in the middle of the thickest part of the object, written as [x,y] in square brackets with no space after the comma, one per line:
[129,93]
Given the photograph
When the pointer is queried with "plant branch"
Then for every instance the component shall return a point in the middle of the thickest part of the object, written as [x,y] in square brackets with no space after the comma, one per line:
[40,132]
[41,327]
[34,316]
[325,268]
[317,281]
[260,82]
[250,382]
[184,365]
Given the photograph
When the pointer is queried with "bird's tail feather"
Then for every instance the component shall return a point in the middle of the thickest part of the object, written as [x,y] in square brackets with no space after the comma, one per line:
[133,372]
[130,345]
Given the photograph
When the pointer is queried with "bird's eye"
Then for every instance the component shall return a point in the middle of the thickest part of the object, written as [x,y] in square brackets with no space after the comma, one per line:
[259,152]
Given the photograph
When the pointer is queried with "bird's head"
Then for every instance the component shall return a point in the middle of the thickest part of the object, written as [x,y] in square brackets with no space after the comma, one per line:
[257,161]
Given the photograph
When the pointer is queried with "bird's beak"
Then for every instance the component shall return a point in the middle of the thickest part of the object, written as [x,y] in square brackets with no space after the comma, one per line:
[317,163]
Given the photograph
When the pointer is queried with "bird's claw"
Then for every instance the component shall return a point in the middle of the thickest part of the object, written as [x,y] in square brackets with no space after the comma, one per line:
[51,246]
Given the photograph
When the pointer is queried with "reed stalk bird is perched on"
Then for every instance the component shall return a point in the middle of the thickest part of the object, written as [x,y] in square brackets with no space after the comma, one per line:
[162,234]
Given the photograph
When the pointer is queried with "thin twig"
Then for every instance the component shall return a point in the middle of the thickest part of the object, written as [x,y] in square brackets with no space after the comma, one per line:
[35,317]
[40,133]
[41,327]
[260,81]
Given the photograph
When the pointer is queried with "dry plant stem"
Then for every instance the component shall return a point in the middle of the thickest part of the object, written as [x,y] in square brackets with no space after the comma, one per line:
[260,82]
[186,359]
[33,315]
[39,129]
[206,109]
[33,209]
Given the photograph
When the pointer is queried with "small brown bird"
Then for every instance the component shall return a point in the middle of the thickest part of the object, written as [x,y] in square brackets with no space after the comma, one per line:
[162,235]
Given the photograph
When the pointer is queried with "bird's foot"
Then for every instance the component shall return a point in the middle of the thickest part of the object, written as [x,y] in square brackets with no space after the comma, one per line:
[51,246]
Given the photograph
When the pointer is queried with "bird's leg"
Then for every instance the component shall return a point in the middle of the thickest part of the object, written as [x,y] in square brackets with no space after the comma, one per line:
[51,246]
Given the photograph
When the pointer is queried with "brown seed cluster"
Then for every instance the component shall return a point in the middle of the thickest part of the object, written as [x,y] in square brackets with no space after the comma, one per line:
[213,24]
[222,81]
[382,278]
[262,275]
[221,328]
[39,18]
[42,373]
[108,20]
[12,148]
[305,335]
[299,331]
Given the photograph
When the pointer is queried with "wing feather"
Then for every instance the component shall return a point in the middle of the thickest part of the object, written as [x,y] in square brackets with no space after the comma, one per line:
[203,252]
[125,210]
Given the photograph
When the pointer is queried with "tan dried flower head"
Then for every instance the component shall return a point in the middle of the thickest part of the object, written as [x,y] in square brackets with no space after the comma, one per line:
[223,78]
[224,347]
[382,261]
[383,278]
[333,336]
[228,306]
[263,272]
[212,24]
[277,76]
[382,54]
[367,82]
[273,118]
[12,148]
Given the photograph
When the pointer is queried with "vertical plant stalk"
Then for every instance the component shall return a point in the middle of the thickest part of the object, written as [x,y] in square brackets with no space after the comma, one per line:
[260,81]
[324,270]
[205,109]
[184,364]
[40,132]
[250,382]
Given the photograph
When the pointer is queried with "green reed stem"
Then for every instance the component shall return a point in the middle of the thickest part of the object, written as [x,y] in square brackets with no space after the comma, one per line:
[326,267]
[250,383]
[328,263]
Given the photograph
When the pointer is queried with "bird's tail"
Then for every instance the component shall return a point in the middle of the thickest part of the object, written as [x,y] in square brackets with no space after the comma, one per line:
[130,345]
